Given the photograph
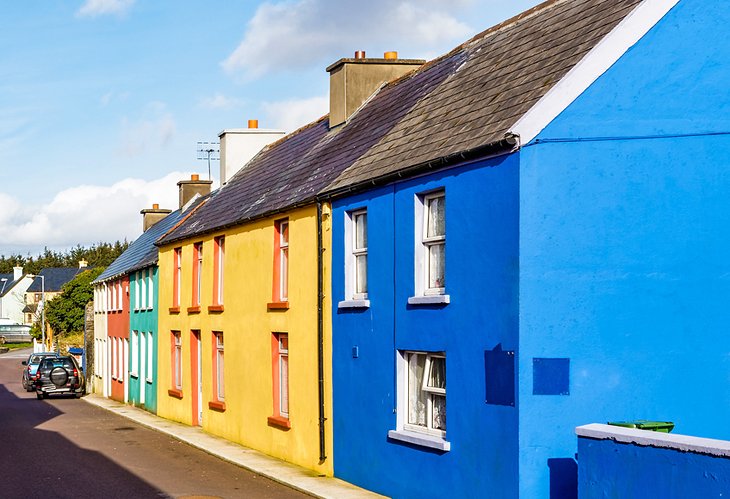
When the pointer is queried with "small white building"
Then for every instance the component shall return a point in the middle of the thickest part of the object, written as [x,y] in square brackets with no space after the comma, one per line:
[12,295]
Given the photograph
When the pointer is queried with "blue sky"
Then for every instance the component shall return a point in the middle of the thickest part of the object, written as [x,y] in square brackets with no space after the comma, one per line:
[102,101]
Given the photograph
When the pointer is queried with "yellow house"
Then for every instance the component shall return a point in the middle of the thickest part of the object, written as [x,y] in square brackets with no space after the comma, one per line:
[244,284]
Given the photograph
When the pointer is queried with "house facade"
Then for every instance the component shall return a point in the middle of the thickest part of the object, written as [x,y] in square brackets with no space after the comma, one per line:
[12,295]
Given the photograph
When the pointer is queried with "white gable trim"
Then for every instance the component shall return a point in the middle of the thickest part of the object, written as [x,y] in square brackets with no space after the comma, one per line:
[596,62]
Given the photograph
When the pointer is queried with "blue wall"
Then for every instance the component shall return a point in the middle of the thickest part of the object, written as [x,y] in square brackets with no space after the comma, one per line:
[143,321]
[610,469]
[625,244]
[481,279]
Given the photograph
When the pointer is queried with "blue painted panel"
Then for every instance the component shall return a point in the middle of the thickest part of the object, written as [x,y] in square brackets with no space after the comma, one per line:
[481,267]
[610,469]
[624,245]
[550,376]
[499,376]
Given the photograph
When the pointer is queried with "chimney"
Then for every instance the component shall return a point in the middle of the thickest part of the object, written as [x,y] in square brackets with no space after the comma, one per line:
[17,273]
[83,264]
[239,145]
[189,188]
[151,216]
[353,81]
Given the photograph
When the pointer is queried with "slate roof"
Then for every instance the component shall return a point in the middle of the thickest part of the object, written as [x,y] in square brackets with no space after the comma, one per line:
[55,278]
[462,102]
[142,252]
[8,284]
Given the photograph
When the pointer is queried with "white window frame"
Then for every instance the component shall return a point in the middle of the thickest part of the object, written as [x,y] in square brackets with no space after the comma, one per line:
[353,299]
[142,277]
[199,272]
[283,385]
[178,276]
[150,289]
[120,299]
[150,357]
[177,360]
[113,345]
[220,245]
[220,365]
[284,260]
[406,432]
[135,354]
[425,295]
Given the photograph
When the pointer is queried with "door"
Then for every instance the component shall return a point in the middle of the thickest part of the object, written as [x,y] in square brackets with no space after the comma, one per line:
[142,359]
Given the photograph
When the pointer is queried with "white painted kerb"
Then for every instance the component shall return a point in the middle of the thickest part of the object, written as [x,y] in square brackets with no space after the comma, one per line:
[646,438]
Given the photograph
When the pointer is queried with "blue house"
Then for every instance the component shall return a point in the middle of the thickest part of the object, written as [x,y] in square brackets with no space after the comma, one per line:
[539,241]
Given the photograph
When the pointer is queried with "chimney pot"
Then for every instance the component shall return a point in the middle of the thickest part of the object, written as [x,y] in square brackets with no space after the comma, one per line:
[194,176]
[155,206]
[390,55]
[360,54]
[253,123]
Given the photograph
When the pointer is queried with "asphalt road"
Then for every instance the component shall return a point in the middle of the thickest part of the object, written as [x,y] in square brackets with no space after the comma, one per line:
[66,448]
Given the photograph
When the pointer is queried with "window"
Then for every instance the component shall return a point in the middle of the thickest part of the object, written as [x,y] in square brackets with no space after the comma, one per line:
[197,273]
[281,264]
[135,353]
[218,371]
[114,357]
[177,277]
[150,289]
[177,360]
[120,300]
[218,268]
[150,357]
[136,292]
[143,292]
[280,375]
[356,260]
[422,399]
[430,250]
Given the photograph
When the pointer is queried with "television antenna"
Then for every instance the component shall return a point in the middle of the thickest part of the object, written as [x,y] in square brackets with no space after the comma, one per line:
[209,151]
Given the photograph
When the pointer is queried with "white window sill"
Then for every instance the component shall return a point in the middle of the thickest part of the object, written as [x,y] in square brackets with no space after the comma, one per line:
[354,304]
[422,439]
[429,300]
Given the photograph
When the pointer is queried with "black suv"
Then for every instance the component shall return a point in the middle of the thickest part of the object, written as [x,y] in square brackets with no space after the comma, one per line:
[58,375]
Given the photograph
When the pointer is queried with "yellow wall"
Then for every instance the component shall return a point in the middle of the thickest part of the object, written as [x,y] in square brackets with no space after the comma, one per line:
[247,326]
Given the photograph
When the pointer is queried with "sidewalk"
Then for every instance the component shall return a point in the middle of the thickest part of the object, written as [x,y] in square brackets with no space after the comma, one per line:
[288,474]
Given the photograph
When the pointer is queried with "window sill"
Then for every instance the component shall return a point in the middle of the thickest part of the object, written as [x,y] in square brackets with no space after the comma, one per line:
[354,304]
[217,405]
[174,310]
[194,310]
[429,300]
[279,421]
[173,392]
[134,375]
[422,439]
[149,381]
[278,305]
[215,309]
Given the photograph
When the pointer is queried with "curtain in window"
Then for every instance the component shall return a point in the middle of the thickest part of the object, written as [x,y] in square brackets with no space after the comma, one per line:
[417,399]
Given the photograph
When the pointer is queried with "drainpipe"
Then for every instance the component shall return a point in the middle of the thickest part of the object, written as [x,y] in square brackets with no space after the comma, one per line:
[320,332]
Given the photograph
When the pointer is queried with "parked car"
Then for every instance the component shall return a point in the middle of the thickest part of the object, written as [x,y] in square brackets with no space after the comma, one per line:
[58,375]
[32,364]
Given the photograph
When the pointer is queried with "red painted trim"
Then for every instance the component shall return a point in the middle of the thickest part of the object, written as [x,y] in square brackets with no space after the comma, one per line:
[217,405]
[174,389]
[177,252]
[194,335]
[278,305]
[194,310]
[174,310]
[214,370]
[197,254]
[174,392]
[215,309]
[279,421]
[219,244]
[275,288]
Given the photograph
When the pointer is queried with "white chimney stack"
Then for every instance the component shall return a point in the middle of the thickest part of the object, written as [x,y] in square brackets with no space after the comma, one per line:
[17,273]
[239,145]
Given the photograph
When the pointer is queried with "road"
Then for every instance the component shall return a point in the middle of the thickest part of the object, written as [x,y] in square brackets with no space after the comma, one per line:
[66,448]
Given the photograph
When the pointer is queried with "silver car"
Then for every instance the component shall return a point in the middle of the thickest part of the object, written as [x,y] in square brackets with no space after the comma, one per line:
[31,368]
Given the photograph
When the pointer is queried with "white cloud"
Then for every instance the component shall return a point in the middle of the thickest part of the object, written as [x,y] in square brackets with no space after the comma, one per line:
[153,130]
[297,34]
[85,214]
[220,101]
[288,115]
[94,8]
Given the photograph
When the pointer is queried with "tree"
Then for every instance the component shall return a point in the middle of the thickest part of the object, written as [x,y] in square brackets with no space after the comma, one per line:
[65,313]
[98,255]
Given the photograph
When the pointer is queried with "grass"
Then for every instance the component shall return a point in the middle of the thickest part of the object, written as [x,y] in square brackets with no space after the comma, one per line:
[17,346]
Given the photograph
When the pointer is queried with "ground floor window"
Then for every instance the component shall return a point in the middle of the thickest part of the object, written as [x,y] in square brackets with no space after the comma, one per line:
[280,375]
[177,360]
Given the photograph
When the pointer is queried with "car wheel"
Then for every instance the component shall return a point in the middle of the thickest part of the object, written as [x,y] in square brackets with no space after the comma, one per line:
[39,396]
[59,376]
[44,395]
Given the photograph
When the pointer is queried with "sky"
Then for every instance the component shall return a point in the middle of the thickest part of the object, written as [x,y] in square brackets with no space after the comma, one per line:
[102,102]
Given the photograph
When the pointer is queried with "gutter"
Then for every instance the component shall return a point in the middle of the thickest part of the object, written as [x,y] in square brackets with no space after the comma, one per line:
[320,333]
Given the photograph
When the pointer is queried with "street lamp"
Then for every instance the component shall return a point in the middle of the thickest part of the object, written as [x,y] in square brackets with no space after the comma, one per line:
[43,306]
[4,280]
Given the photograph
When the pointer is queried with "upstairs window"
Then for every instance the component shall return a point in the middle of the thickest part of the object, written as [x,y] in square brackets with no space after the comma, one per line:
[143,289]
[150,289]
[177,277]
[197,273]
[281,261]
[430,249]
[218,269]
[356,254]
